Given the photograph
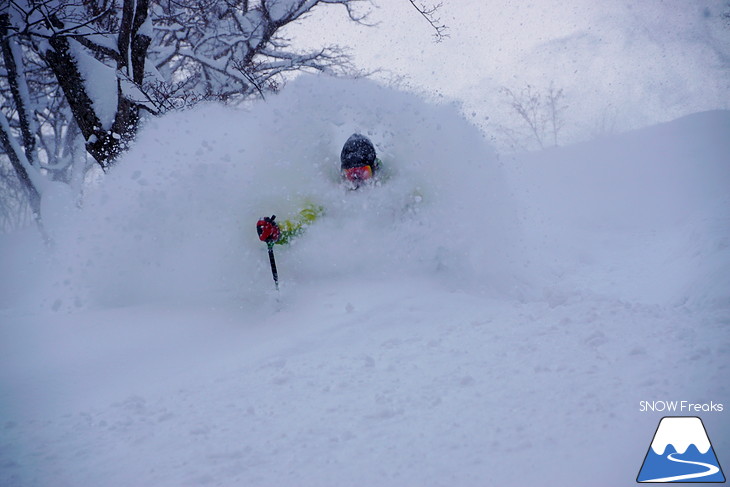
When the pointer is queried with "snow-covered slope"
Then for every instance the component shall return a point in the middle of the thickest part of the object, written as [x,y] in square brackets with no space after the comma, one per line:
[471,321]
[646,210]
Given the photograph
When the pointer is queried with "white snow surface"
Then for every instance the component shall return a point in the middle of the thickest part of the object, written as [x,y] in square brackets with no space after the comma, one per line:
[472,320]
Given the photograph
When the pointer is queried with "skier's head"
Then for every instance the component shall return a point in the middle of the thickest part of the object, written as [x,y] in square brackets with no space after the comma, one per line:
[358,161]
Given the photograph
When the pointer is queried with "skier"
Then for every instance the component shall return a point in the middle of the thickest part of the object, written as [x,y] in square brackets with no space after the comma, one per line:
[358,162]
[359,165]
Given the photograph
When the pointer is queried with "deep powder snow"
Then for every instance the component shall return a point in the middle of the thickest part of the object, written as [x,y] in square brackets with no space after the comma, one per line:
[472,320]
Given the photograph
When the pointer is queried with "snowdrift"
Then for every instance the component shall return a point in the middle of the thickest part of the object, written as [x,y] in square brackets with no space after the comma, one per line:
[648,210]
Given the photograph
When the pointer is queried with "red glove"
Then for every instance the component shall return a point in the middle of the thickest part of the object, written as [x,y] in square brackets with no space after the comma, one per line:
[268,229]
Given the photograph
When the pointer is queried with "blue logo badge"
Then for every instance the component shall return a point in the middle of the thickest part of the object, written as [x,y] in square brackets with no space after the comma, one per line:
[680,452]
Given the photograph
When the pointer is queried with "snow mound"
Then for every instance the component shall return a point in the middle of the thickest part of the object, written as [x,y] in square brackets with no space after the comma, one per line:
[647,209]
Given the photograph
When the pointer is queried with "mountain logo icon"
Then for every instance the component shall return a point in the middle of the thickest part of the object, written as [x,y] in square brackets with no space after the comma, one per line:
[681,452]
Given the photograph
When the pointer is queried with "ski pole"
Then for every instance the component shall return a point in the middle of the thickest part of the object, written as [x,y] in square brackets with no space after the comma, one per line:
[270,233]
[272,261]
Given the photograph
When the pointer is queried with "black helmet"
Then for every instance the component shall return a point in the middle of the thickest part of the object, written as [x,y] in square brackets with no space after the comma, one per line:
[358,151]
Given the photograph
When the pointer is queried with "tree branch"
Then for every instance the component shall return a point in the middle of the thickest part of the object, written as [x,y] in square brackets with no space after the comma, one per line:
[429,13]
[21,164]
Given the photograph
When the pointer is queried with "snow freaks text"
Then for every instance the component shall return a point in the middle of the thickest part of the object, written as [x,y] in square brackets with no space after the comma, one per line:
[679,407]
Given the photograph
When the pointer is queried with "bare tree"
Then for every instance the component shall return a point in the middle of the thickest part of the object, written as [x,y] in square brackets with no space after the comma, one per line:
[234,49]
[555,109]
[21,155]
[541,113]
[429,13]
[142,53]
[88,70]
[15,211]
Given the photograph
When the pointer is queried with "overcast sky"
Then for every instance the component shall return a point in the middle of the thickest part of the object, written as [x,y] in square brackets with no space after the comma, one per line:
[635,63]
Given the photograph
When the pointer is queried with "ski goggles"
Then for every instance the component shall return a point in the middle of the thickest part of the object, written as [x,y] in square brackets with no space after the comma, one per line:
[356,174]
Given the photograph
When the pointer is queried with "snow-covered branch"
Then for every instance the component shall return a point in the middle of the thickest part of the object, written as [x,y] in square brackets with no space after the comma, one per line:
[83,73]
[235,49]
